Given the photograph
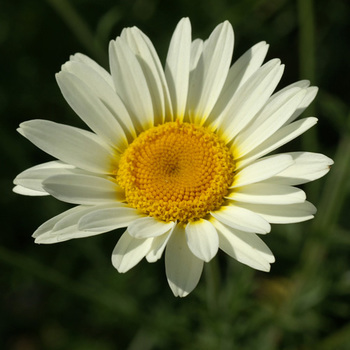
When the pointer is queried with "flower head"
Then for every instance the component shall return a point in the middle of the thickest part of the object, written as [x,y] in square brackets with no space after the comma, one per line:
[179,157]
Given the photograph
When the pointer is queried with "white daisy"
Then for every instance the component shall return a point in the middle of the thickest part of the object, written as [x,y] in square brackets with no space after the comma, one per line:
[176,156]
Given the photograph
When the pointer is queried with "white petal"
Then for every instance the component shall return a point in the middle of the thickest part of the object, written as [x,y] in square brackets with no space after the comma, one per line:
[210,74]
[307,167]
[130,84]
[177,67]
[246,66]
[83,189]
[241,219]
[105,92]
[108,218]
[196,52]
[183,269]
[309,97]
[47,226]
[281,137]
[238,74]
[33,177]
[28,192]
[129,252]
[245,247]
[301,84]
[64,226]
[75,146]
[152,69]
[249,99]
[149,227]
[91,110]
[283,214]
[268,193]
[262,169]
[202,239]
[78,57]
[158,245]
[271,117]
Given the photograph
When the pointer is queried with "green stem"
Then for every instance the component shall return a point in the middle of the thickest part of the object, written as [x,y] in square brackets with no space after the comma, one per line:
[307,67]
[306,39]
[213,279]
[80,29]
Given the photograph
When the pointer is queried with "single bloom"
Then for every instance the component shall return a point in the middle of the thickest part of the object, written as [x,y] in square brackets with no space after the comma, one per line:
[178,156]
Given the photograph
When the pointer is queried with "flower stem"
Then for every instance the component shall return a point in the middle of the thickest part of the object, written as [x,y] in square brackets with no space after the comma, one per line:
[213,279]
[306,39]
[79,28]
[307,70]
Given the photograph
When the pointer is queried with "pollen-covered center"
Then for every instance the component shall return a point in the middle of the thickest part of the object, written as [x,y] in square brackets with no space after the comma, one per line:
[176,171]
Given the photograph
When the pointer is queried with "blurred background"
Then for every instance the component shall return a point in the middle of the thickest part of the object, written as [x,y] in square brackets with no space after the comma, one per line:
[68,296]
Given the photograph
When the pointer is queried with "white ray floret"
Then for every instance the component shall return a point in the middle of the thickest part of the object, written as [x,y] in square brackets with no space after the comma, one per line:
[131,84]
[108,218]
[268,193]
[245,247]
[83,189]
[210,73]
[183,268]
[102,89]
[177,66]
[71,145]
[130,251]
[202,239]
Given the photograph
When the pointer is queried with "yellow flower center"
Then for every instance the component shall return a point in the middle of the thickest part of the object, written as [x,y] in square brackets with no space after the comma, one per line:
[176,171]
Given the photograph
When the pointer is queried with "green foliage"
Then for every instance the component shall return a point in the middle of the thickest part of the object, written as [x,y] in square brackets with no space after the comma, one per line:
[68,296]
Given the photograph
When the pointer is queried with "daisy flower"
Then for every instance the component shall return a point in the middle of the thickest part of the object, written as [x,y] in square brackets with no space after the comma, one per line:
[177,156]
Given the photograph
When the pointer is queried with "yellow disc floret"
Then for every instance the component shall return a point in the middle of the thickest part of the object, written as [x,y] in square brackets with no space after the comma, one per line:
[176,171]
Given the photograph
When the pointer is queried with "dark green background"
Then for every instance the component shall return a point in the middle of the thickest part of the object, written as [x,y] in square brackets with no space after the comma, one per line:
[68,296]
